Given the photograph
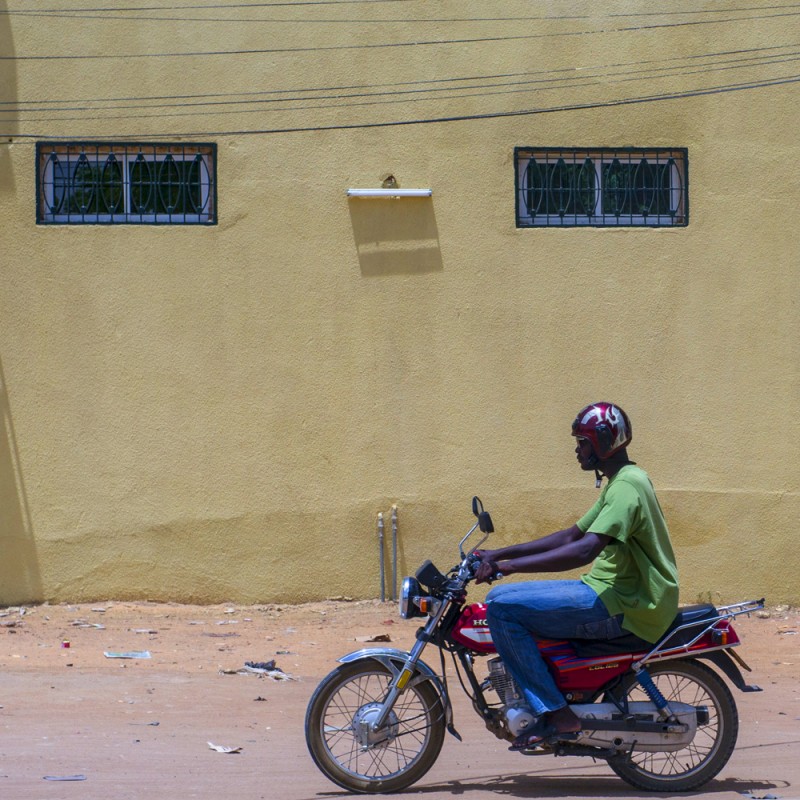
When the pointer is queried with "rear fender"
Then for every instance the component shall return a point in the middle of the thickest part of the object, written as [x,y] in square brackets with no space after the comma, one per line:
[728,667]
[394,660]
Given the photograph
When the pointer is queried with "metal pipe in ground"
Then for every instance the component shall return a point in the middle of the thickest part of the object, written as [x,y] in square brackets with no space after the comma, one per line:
[381,557]
[394,552]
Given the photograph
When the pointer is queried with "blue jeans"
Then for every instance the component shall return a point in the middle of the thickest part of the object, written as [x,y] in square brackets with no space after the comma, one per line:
[521,613]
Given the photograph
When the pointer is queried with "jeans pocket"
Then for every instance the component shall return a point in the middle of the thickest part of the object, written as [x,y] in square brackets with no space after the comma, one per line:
[610,628]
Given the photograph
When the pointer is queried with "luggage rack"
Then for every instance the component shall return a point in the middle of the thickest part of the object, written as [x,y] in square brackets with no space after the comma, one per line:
[707,625]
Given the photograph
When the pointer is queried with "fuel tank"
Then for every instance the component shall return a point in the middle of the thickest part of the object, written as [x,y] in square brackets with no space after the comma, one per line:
[472,629]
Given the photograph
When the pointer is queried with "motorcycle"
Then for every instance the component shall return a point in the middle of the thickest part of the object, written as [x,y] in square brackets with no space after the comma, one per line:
[660,715]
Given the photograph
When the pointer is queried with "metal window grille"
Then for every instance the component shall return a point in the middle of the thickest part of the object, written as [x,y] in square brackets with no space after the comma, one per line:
[83,183]
[605,187]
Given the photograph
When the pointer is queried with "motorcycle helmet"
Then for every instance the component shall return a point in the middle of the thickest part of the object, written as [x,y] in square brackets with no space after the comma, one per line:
[605,426]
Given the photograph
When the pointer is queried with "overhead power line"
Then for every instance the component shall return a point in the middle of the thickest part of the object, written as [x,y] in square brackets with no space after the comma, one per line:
[382,45]
[362,98]
[736,87]
[561,73]
[277,3]
[108,13]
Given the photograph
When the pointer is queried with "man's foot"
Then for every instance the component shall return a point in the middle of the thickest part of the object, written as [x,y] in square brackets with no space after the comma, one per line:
[564,720]
[560,725]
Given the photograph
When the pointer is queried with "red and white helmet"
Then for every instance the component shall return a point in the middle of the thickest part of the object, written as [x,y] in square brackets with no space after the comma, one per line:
[606,426]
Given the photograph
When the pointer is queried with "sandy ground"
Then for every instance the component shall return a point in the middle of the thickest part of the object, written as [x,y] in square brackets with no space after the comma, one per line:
[139,728]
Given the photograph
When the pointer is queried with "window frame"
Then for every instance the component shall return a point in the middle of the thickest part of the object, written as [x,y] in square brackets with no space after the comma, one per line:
[126,154]
[676,159]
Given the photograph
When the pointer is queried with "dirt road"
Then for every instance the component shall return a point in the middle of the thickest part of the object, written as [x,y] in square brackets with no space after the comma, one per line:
[140,728]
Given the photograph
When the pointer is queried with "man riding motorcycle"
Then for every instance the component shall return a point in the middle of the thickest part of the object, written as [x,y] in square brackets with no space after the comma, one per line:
[631,589]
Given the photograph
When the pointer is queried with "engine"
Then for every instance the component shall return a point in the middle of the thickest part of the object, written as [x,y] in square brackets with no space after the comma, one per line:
[518,714]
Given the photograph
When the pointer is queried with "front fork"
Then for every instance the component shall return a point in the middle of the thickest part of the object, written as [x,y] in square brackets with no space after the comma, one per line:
[399,684]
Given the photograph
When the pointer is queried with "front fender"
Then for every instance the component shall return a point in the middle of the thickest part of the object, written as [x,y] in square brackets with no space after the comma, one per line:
[394,660]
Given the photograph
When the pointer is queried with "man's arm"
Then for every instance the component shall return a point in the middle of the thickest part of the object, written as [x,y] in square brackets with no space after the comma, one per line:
[550,542]
[561,551]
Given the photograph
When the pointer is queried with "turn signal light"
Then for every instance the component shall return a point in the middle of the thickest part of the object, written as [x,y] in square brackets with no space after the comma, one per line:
[424,604]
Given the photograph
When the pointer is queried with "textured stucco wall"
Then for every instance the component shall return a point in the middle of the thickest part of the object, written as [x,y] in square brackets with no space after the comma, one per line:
[210,414]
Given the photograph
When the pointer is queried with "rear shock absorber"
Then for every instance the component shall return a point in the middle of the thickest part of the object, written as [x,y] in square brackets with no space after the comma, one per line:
[645,680]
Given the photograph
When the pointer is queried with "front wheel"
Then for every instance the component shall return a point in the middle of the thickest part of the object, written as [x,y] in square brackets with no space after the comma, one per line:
[696,685]
[350,753]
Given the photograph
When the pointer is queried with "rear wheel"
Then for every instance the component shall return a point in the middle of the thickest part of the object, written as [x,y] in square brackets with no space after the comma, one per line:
[696,685]
[353,756]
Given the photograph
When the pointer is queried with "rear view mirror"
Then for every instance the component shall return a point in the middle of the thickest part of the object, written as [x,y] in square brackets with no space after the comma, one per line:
[484,520]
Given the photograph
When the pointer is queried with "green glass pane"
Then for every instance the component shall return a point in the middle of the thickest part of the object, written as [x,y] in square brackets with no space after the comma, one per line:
[111,189]
[535,188]
[84,181]
[142,189]
[585,192]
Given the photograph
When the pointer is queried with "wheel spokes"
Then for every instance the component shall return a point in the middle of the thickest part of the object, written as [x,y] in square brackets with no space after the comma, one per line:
[681,689]
[408,728]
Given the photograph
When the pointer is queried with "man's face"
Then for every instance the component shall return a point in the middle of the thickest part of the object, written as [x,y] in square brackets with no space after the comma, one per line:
[584,452]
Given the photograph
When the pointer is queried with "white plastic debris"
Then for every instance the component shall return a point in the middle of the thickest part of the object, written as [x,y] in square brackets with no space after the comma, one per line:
[219,748]
[130,654]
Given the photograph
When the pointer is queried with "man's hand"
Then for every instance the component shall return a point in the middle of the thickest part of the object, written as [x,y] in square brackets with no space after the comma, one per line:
[488,570]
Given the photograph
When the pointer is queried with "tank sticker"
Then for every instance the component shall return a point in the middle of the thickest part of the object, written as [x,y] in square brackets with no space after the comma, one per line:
[477,635]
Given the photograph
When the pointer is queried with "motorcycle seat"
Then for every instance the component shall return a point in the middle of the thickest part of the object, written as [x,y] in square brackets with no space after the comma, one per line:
[697,615]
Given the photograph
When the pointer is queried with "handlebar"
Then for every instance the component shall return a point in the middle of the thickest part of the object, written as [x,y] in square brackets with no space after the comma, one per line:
[474,561]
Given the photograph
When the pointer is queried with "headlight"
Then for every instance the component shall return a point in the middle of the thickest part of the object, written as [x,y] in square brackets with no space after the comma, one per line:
[409,590]
[413,602]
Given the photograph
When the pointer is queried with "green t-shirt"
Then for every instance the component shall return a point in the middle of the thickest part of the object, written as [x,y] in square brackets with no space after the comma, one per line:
[635,574]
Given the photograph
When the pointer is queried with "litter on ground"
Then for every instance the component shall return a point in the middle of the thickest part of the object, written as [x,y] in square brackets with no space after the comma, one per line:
[130,654]
[222,749]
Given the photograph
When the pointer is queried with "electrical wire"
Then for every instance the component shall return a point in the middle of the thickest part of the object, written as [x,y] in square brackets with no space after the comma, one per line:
[700,11]
[276,3]
[380,97]
[568,71]
[439,90]
[96,13]
[790,79]
[700,92]
[383,45]
[305,21]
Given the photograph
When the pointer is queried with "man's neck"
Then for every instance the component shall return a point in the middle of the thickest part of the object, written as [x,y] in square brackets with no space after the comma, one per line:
[614,464]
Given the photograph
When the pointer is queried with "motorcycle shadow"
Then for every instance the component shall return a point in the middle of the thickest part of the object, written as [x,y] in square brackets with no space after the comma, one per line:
[577,785]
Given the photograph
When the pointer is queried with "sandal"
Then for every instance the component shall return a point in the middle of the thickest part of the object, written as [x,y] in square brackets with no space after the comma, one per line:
[542,731]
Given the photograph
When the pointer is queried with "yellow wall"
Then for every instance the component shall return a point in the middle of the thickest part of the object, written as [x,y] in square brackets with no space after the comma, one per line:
[219,413]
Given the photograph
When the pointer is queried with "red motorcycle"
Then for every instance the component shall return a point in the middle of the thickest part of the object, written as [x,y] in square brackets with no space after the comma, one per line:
[660,715]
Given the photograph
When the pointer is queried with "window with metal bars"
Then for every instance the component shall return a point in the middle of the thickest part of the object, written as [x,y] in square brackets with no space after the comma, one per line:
[82,183]
[604,187]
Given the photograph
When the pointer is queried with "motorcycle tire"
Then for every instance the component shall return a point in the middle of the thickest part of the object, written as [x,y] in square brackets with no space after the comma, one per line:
[392,758]
[687,769]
